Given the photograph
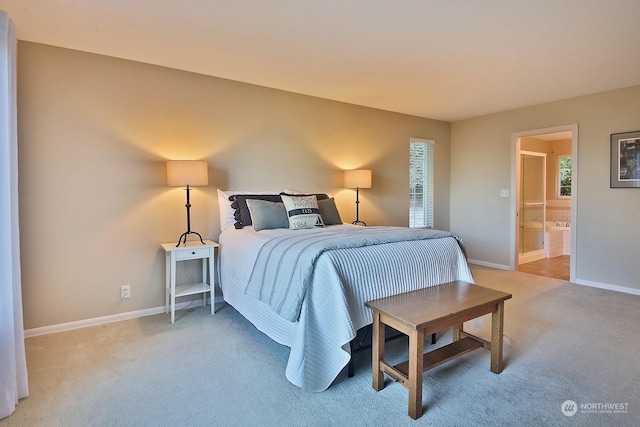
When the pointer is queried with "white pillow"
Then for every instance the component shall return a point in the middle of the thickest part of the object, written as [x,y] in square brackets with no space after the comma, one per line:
[224,207]
[303,212]
[296,192]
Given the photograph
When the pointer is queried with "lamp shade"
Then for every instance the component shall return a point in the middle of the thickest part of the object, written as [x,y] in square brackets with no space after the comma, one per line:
[358,178]
[194,173]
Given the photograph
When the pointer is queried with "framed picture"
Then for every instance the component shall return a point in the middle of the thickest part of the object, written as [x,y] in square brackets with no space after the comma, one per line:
[625,160]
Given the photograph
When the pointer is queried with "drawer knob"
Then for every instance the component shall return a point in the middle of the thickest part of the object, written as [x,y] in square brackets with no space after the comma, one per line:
[193,253]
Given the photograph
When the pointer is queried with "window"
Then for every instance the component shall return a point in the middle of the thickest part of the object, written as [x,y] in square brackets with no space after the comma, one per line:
[421,183]
[564,175]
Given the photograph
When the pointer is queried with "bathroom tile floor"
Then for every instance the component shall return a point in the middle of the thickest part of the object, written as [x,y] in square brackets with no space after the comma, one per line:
[557,267]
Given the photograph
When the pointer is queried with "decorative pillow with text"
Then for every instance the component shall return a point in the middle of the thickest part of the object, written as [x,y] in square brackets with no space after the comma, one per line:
[302,211]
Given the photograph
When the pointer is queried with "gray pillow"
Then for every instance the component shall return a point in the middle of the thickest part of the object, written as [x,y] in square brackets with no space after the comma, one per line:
[329,212]
[267,215]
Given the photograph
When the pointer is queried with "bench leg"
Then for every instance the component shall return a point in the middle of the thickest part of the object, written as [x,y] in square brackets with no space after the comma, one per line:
[377,352]
[416,348]
[497,322]
[455,333]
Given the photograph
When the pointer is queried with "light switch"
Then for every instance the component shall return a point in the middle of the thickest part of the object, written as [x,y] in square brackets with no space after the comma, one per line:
[504,193]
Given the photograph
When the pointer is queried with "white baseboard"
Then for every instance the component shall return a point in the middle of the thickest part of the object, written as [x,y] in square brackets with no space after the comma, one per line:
[489,264]
[624,289]
[61,327]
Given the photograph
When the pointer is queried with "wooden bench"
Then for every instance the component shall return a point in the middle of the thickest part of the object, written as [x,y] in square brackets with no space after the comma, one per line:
[427,311]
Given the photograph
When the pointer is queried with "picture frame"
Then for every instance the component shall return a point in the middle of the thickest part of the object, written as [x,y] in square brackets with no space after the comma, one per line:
[625,160]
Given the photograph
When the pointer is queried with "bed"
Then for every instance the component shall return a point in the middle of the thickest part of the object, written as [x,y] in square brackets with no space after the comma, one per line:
[324,317]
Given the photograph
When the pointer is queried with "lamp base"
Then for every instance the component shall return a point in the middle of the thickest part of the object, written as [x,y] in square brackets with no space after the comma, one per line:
[184,235]
[357,221]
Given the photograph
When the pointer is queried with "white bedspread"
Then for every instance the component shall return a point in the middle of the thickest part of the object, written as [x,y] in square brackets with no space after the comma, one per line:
[342,281]
[284,266]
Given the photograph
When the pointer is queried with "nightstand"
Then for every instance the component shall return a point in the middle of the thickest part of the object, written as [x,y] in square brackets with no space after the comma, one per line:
[184,252]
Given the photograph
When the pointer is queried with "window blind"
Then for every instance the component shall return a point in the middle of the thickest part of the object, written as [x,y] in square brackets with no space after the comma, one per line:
[421,183]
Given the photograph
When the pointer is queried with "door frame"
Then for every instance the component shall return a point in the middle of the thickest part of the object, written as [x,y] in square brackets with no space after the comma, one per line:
[515,161]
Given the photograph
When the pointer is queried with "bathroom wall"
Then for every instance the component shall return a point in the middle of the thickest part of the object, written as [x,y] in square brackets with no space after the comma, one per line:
[558,208]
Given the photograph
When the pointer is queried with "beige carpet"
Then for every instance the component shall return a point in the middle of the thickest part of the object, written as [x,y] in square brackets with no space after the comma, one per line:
[562,342]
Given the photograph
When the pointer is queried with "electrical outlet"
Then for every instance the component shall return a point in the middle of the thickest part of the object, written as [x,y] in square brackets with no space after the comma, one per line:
[125,291]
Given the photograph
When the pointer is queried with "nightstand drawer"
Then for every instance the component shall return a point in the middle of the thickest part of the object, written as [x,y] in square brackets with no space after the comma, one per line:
[193,253]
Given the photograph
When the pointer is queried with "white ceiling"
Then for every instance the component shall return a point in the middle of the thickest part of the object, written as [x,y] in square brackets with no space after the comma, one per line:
[442,59]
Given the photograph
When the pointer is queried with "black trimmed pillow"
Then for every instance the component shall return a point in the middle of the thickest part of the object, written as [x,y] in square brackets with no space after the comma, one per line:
[242,215]
[329,212]
[303,211]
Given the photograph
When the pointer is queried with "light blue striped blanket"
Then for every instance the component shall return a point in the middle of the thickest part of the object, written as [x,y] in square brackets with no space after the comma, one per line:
[284,266]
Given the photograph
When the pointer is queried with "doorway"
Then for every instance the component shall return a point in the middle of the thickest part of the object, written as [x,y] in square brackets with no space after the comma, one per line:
[544,171]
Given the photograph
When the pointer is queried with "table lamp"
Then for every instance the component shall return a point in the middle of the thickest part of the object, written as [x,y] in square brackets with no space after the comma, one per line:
[187,173]
[358,178]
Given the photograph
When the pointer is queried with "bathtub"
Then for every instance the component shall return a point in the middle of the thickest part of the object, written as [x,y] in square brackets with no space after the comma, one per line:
[557,239]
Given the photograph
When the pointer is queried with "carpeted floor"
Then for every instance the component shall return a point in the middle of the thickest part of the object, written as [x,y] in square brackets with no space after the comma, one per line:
[562,342]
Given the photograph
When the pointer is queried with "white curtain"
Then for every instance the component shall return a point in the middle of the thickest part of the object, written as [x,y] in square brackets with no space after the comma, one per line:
[13,364]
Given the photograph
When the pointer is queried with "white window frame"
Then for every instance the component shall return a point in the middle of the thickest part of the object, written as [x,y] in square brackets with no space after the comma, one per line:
[422,216]
[559,179]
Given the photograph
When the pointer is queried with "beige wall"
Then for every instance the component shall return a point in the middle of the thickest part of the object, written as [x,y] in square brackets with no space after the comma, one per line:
[94,133]
[607,229]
